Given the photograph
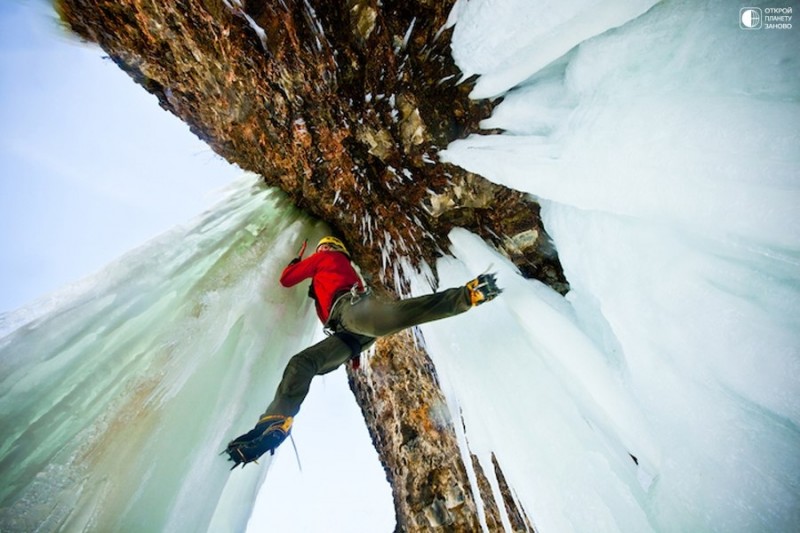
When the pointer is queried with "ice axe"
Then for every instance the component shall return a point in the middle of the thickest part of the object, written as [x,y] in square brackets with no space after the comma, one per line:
[299,254]
[302,249]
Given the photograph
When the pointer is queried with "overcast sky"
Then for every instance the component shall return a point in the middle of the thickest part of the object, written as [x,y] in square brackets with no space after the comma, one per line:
[90,165]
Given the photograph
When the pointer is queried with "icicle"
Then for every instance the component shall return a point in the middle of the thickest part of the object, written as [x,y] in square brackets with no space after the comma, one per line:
[407,36]
[113,369]
[236,7]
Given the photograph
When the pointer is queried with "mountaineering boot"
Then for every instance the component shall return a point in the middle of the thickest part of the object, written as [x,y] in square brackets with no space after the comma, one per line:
[268,434]
[483,288]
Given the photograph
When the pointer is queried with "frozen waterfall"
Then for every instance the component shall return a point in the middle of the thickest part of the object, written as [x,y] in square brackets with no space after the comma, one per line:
[664,151]
[117,396]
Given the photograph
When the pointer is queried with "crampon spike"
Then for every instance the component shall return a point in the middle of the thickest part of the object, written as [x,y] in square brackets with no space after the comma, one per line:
[296,454]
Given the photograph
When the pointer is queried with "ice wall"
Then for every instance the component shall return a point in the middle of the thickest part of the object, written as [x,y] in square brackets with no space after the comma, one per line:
[118,393]
[663,148]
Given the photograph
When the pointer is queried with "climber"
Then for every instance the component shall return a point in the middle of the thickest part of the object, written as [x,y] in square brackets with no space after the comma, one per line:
[354,317]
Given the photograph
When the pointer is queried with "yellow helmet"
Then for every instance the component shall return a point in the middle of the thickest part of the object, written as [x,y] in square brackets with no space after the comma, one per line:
[333,242]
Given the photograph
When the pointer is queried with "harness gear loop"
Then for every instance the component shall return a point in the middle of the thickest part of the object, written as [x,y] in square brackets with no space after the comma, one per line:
[357,294]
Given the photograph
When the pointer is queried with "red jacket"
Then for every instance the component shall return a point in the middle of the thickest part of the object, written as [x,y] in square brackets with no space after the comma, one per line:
[330,273]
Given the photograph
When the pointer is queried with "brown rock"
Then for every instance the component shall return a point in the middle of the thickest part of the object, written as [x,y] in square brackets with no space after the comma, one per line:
[344,106]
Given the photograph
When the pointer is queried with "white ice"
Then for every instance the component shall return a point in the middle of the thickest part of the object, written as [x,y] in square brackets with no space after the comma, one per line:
[665,155]
[116,402]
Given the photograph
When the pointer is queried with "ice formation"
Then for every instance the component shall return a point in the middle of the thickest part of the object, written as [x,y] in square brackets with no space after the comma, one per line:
[664,154]
[118,397]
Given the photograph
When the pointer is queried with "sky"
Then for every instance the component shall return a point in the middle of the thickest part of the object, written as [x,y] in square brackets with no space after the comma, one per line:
[90,165]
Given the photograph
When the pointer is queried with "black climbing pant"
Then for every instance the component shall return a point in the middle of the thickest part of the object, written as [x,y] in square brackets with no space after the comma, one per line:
[358,321]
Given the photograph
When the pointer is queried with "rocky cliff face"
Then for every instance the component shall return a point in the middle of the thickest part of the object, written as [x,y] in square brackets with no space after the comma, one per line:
[344,106]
